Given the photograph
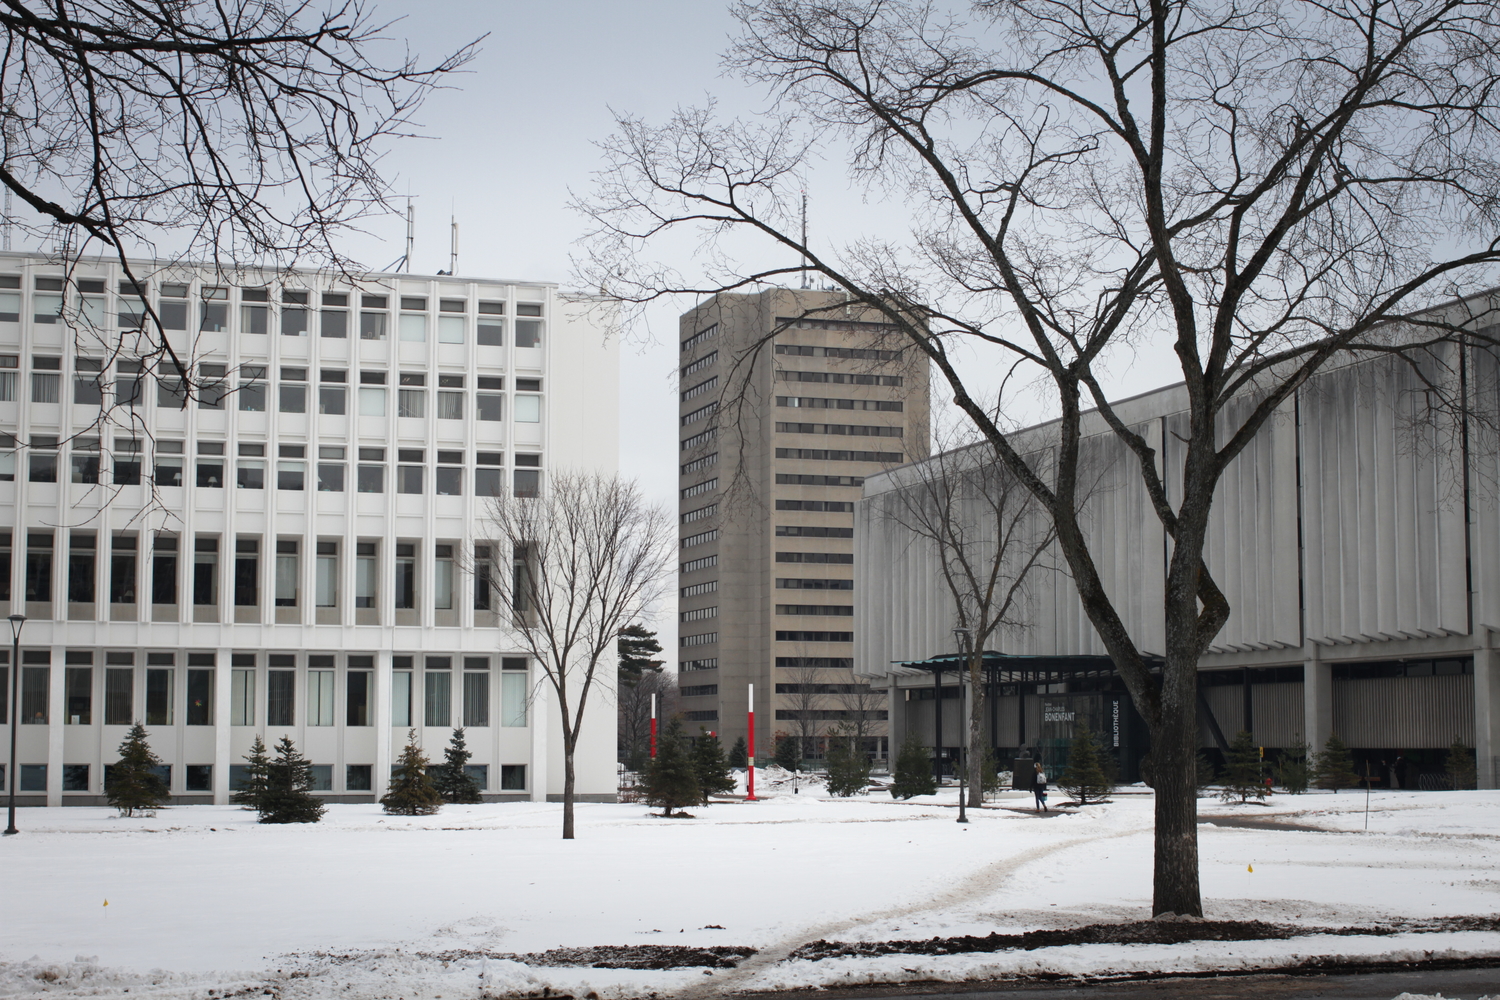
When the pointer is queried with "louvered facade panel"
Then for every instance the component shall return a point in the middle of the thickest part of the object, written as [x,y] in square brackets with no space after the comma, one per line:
[1409,712]
[1227,704]
[1277,713]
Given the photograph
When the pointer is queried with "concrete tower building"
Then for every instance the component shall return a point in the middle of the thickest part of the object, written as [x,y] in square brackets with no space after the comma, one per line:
[789,399]
[290,554]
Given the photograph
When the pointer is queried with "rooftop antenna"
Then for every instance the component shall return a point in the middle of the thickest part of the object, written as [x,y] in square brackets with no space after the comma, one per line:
[9,219]
[806,284]
[453,249]
[411,234]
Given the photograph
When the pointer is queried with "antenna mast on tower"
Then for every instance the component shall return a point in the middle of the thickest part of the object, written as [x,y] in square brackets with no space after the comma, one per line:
[411,234]
[805,283]
[453,249]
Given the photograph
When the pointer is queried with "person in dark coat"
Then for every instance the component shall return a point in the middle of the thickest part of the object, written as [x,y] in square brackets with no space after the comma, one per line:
[1039,787]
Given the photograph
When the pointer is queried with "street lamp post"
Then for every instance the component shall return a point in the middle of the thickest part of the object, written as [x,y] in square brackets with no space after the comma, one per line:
[961,638]
[13,773]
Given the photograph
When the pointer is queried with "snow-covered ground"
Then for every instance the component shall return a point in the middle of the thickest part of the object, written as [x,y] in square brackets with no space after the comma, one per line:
[364,904]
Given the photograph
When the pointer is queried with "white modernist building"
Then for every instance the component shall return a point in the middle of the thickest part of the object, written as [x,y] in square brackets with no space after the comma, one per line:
[295,555]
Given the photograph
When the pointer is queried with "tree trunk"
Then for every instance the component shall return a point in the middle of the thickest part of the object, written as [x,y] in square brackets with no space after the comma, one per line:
[1174,764]
[568,790]
[976,737]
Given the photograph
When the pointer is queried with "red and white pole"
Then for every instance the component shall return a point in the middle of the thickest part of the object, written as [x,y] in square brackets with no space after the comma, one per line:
[653,727]
[751,755]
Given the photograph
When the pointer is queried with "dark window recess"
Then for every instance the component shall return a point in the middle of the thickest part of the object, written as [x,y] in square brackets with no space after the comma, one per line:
[200,695]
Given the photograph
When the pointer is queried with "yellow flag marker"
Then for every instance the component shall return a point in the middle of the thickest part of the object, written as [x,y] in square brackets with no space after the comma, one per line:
[106,902]
[1248,868]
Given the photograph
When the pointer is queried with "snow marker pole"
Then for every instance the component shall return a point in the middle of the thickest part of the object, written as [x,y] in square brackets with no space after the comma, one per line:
[653,727]
[751,756]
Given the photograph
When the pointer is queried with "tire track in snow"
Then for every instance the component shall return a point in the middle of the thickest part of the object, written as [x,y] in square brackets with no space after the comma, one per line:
[983,882]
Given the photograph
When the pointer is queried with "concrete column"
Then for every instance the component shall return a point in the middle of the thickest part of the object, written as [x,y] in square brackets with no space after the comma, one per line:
[895,726]
[1317,697]
[380,716]
[57,717]
[223,661]
[1487,710]
[539,718]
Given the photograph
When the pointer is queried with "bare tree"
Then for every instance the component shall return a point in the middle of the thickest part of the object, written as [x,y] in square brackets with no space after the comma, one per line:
[592,555]
[861,707]
[1266,187]
[804,696]
[633,702]
[237,133]
[989,534]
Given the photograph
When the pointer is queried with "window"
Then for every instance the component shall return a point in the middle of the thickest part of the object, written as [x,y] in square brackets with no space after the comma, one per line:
[215,310]
[158,691]
[476,711]
[171,393]
[371,477]
[406,575]
[127,462]
[331,469]
[198,778]
[487,478]
[286,573]
[252,392]
[357,681]
[78,688]
[371,394]
[357,777]
[437,691]
[281,690]
[290,475]
[513,692]
[401,691]
[477,773]
[250,470]
[246,572]
[255,315]
[442,577]
[528,331]
[489,405]
[450,404]
[10,301]
[409,476]
[205,571]
[513,777]
[484,569]
[36,682]
[320,690]
[294,312]
[372,324]
[242,690]
[328,574]
[212,388]
[490,331]
[81,563]
[528,409]
[167,469]
[332,396]
[39,566]
[164,570]
[527,483]
[200,689]
[8,365]
[122,565]
[47,301]
[451,321]
[448,479]
[292,391]
[411,398]
[5,567]
[42,462]
[172,311]
[119,692]
[129,312]
[88,384]
[413,324]
[210,465]
[33,778]
[333,319]
[366,574]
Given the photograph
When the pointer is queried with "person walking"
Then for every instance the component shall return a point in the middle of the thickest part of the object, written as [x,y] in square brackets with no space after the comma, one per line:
[1039,787]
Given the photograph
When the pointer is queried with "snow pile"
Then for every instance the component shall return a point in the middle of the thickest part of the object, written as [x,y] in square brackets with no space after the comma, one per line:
[486,900]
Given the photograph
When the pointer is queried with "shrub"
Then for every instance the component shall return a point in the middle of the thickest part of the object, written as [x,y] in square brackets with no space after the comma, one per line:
[411,792]
[913,770]
[133,783]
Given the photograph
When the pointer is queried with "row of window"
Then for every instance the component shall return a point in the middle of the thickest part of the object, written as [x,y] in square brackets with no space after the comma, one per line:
[812,402]
[127,468]
[151,695]
[124,568]
[296,310]
[826,455]
[834,610]
[200,777]
[292,390]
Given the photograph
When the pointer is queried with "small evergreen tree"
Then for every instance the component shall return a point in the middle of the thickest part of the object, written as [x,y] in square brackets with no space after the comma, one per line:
[788,752]
[252,791]
[848,764]
[1334,765]
[1084,776]
[989,773]
[449,778]
[1242,774]
[1460,765]
[289,782]
[411,792]
[913,770]
[133,783]
[671,781]
[739,754]
[711,767]
[1292,772]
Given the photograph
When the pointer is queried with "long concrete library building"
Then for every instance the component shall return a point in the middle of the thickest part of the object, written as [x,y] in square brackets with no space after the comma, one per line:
[1357,540]
[789,399]
[292,555]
